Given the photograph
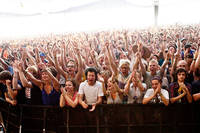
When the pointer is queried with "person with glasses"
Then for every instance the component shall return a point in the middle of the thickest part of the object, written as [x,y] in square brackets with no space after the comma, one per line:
[70,73]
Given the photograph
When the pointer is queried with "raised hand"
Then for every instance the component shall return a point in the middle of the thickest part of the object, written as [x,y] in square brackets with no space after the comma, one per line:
[41,66]
[20,66]
[8,82]
[15,68]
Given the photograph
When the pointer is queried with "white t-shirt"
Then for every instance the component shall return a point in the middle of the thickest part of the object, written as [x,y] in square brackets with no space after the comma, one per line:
[150,92]
[91,92]
[135,95]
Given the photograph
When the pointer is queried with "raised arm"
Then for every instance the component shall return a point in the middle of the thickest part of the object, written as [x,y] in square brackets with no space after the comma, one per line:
[192,66]
[22,77]
[126,44]
[127,86]
[12,93]
[57,65]
[197,64]
[38,59]
[162,69]
[5,65]
[143,70]
[36,81]
[30,58]
[56,84]
[111,60]
[177,55]
[80,66]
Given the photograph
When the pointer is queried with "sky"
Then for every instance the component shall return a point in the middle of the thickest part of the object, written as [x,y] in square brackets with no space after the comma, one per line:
[25,18]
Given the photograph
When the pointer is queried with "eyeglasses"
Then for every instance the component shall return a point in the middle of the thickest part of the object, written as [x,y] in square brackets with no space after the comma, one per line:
[189,56]
[70,66]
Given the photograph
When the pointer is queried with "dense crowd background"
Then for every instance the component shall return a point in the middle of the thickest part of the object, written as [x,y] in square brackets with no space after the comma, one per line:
[109,67]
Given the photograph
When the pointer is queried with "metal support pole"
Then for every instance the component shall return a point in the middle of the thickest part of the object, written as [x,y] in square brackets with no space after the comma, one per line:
[44,120]
[20,120]
[156,3]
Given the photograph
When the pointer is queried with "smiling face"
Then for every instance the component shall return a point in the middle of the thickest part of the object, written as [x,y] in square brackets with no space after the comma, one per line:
[45,76]
[110,85]
[125,69]
[153,66]
[155,84]
[69,86]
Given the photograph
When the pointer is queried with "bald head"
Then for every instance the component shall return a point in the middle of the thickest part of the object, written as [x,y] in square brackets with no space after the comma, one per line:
[182,64]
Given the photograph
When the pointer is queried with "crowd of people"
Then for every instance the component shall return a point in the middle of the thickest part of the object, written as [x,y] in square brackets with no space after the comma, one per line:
[109,67]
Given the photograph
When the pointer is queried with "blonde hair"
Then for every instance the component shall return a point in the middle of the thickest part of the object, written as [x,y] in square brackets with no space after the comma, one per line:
[123,62]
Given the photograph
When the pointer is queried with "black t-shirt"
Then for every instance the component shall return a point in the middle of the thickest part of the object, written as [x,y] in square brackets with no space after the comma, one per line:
[36,96]
[3,89]
[21,94]
[196,87]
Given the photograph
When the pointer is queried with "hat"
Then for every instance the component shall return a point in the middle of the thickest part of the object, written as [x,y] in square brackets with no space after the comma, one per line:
[187,46]
[147,52]
[183,39]
[172,45]
[42,54]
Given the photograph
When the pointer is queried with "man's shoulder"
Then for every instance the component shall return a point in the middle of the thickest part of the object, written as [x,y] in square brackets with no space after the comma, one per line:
[150,90]
[83,83]
[164,90]
[98,83]
[197,82]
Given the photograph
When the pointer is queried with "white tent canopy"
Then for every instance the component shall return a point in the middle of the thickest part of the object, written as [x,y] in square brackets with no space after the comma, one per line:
[21,18]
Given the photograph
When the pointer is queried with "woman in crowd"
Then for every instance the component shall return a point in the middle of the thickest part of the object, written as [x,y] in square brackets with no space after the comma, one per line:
[113,93]
[134,88]
[69,95]
[48,84]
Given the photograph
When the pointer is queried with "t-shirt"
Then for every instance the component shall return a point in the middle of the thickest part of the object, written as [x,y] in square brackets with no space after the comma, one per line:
[135,95]
[150,92]
[33,95]
[20,94]
[91,92]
